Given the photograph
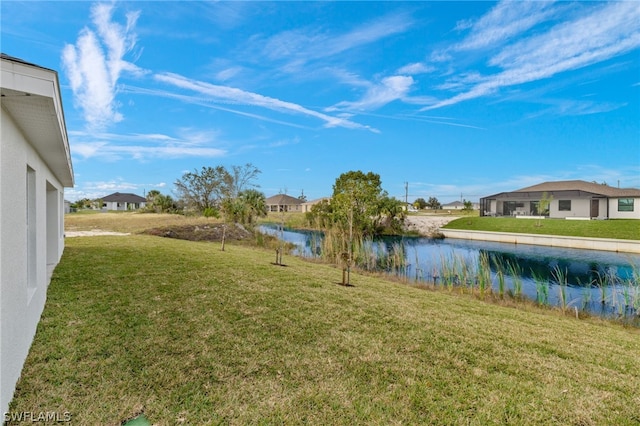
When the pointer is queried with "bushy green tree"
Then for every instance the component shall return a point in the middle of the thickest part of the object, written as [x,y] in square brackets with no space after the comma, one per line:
[248,205]
[356,201]
[359,207]
[321,215]
[205,189]
[215,190]
[391,215]
[420,203]
[83,203]
[433,203]
[159,203]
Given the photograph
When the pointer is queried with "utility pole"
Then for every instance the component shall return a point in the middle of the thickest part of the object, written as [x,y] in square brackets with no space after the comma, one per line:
[406,192]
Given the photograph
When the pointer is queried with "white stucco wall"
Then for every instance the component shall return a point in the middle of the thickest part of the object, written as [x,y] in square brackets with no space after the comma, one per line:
[35,166]
[615,214]
[21,299]
[580,207]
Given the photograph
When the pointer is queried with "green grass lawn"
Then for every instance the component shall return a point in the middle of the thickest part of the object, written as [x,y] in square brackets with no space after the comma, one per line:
[189,334]
[625,229]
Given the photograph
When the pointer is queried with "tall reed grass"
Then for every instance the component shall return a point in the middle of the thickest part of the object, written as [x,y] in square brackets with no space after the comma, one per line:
[542,288]
[560,277]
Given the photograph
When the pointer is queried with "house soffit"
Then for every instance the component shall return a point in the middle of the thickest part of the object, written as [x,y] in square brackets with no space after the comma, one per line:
[40,122]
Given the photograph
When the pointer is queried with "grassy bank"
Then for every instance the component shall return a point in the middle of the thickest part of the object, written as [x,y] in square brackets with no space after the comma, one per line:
[624,229]
[189,334]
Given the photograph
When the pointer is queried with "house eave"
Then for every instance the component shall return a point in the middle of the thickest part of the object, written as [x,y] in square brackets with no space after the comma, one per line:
[30,95]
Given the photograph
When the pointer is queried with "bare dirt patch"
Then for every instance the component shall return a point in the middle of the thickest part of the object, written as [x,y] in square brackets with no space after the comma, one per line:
[213,232]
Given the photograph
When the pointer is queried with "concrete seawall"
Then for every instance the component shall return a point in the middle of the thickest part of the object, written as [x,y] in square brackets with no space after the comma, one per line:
[603,244]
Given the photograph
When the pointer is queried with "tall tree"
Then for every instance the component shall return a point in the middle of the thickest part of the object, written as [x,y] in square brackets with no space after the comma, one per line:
[433,203]
[243,177]
[205,189]
[356,200]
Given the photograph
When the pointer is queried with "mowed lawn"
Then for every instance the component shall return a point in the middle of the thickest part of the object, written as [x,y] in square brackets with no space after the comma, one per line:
[624,229]
[189,334]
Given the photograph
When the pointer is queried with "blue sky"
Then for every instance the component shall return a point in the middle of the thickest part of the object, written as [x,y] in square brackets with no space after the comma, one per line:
[454,99]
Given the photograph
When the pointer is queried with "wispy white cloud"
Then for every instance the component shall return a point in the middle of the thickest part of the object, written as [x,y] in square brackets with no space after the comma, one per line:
[232,95]
[144,147]
[302,45]
[388,90]
[506,20]
[206,102]
[575,108]
[416,68]
[96,62]
[228,73]
[603,33]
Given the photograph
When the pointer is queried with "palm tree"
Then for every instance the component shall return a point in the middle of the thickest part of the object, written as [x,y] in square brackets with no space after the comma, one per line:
[255,203]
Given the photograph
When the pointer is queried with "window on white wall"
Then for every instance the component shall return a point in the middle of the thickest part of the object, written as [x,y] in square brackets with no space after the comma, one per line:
[564,205]
[625,204]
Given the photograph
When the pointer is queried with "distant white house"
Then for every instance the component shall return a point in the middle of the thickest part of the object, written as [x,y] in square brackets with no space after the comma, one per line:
[571,199]
[458,205]
[123,201]
[35,167]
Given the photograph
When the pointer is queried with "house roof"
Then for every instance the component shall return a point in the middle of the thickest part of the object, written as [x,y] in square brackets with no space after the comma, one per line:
[573,186]
[31,97]
[454,204]
[317,200]
[581,185]
[282,200]
[119,197]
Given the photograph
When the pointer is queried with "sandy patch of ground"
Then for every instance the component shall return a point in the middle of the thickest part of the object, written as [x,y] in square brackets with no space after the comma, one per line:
[427,225]
[92,233]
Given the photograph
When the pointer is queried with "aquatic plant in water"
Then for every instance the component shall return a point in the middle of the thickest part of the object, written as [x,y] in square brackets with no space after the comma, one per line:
[515,272]
[560,277]
[542,288]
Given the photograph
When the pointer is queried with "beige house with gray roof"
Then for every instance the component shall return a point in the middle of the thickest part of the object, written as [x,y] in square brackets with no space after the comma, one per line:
[571,199]
[283,203]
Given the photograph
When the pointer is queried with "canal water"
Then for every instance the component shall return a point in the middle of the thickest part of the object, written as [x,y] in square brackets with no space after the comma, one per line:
[599,282]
